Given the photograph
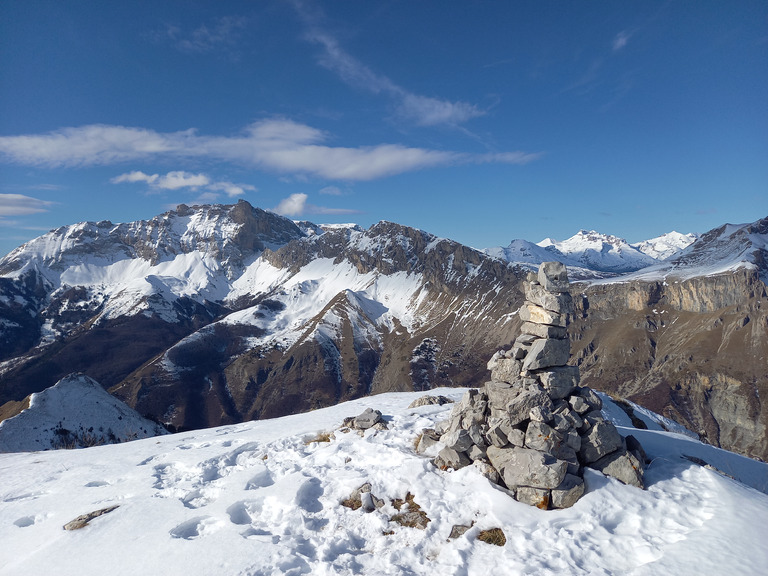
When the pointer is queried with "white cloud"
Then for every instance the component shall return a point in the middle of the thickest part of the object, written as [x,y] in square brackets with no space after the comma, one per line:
[20,205]
[422,110]
[331,191]
[223,32]
[292,206]
[180,179]
[231,189]
[135,176]
[276,145]
[621,40]
[297,205]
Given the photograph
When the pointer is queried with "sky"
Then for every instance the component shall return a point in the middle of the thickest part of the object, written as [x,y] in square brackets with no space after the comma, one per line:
[482,122]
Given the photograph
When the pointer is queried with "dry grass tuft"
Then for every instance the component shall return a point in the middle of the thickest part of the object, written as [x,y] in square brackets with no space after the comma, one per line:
[493,536]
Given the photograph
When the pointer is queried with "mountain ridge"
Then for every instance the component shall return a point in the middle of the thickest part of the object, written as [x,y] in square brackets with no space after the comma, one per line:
[253,315]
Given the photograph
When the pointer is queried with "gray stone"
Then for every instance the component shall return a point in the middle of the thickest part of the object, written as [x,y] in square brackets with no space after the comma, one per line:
[541,414]
[537,315]
[568,492]
[458,530]
[591,398]
[634,446]
[496,436]
[560,302]
[429,401]
[553,277]
[476,453]
[428,439]
[442,426]
[559,382]
[460,440]
[539,436]
[579,404]
[452,459]
[525,340]
[602,439]
[573,440]
[538,497]
[525,467]
[519,408]
[476,433]
[506,369]
[515,436]
[500,394]
[367,419]
[543,330]
[487,470]
[622,465]
[547,353]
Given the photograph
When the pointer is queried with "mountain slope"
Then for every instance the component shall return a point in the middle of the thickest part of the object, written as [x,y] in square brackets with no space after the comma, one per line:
[665,246]
[266,498]
[687,337]
[75,412]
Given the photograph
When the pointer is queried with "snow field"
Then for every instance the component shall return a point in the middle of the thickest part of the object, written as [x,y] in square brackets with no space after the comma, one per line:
[262,498]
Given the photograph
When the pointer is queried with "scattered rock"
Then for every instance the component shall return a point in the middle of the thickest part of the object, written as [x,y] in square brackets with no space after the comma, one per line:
[429,401]
[367,419]
[82,521]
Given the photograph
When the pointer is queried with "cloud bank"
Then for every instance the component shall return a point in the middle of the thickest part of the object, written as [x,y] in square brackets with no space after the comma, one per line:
[178,179]
[20,205]
[275,145]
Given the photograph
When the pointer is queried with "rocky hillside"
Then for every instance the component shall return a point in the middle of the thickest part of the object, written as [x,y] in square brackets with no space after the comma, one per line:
[688,338]
[216,314]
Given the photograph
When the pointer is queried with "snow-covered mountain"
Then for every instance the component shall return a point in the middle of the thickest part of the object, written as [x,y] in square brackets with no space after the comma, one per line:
[267,498]
[667,245]
[76,412]
[590,254]
[218,314]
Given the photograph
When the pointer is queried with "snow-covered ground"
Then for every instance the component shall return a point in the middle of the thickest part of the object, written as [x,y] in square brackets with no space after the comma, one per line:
[261,498]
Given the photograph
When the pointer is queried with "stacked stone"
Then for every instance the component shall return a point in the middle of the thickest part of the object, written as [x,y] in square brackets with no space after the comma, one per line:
[532,429]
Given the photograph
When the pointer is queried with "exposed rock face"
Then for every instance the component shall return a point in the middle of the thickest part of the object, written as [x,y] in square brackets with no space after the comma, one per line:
[693,350]
[532,428]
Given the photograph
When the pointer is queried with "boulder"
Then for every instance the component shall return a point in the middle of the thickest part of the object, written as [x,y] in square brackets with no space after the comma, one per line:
[602,439]
[450,458]
[367,419]
[622,465]
[525,467]
[559,381]
[560,302]
[537,315]
[507,369]
[460,441]
[538,497]
[543,330]
[553,277]
[568,492]
[547,353]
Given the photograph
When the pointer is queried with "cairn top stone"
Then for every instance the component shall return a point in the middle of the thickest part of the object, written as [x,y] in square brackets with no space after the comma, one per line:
[553,277]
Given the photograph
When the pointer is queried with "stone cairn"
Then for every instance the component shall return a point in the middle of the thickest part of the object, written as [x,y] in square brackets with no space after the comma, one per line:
[532,429]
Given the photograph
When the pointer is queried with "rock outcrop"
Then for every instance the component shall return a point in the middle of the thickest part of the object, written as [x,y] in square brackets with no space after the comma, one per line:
[533,428]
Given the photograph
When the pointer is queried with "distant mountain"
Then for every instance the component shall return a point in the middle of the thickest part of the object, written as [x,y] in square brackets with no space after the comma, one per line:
[74,413]
[209,315]
[590,254]
[665,246]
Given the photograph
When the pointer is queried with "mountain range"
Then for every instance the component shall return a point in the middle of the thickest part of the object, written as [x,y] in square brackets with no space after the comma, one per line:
[211,315]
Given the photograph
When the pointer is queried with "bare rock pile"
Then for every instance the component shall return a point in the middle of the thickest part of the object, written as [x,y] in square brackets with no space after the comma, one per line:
[532,429]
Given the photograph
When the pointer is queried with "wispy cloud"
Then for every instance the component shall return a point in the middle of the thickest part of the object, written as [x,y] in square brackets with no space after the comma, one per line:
[20,205]
[416,108]
[276,145]
[620,40]
[179,179]
[222,32]
[331,191]
[297,205]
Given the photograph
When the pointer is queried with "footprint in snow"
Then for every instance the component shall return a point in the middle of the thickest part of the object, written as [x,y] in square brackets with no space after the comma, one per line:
[196,528]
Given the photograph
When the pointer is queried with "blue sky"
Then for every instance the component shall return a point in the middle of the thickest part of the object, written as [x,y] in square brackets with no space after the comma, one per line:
[477,121]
